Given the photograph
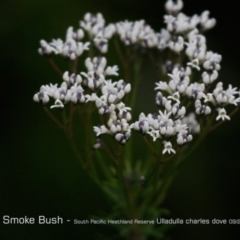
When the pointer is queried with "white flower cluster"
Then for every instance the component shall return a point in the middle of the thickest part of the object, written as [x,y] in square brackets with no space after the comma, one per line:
[118,124]
[171,120]
[134,33]
[94,25]
[174,97]
[72,88]
[71,48]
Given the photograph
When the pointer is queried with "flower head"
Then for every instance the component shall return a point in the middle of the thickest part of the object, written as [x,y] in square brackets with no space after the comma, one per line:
[168,148]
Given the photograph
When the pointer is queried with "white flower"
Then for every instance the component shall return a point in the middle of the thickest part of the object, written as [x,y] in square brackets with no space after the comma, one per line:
[77,94]
[218,89]
[179,81]
[211,65]
[142,125]
[100,130]
[63,93]
[160,100]
[222,114]
[97,144]
[183,72]
[202,109]
[41,97]
[73,78]
[168,148]
[111,71]
[197,39]
[182,128]
[72,49]
[122,108]
[162,86]
[97,64]
[169,20]
[78,35]
[209,77]
[183,138]
[93,80]
[154,134]
[177,45]
[195,90]
[126,87]
[164,116]
[209,98]
[123,137]
[112,118]
[193,22]
[175,97]
[173,6]
[192,123]
[207,23]
[125,115]
[195,52]
[213,56]
[116,127]
[166,128]
[223,98]
[45,48]
[162,39]
[178,112]
[101,43]
[57,104]
[49,89]
[194,63]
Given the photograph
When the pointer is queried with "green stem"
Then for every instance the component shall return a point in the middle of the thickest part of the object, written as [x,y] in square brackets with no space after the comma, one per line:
[55,67]
[115,161]
[156,63]
[136,81]
[175,167]
[149,146]
[104,165]
[119,52]
[75,149]
[53,118]
[129,147]
[75,65]
[123,184]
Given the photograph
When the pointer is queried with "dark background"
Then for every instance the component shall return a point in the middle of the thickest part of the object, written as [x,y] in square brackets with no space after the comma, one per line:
[39,174]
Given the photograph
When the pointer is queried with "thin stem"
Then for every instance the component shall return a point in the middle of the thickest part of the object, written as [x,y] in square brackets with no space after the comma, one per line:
[74,65]
[200,139]
[149,146]
[75,149]
[137,67]
[168,159]
[91,50]
[110,154]
[175,167]
[69,121]
[119,52]
[104,165]
[88,127]
[156,63]
[53,118]
[55,67]
[122,180]
[69,134]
